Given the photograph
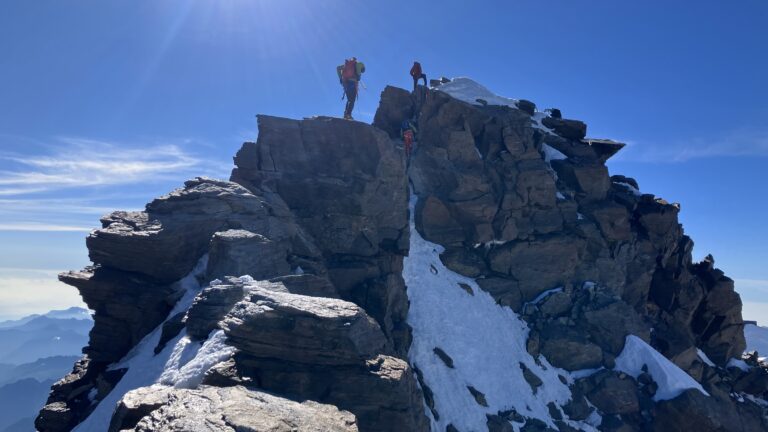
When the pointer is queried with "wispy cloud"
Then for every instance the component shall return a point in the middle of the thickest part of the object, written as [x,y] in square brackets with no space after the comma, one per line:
[27,291]
[752,286]
[79,162]
[70,206]
[41,227]
[739,142]
[756,311]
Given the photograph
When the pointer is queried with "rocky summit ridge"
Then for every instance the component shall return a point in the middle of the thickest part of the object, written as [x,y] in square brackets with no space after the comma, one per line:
[498,280]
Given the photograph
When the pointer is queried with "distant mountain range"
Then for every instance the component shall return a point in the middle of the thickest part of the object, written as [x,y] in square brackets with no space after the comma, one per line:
[35,352]
[71,313]
[56,333]
[757,339]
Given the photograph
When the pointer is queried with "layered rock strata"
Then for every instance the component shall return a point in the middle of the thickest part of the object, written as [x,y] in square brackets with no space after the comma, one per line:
[316,217]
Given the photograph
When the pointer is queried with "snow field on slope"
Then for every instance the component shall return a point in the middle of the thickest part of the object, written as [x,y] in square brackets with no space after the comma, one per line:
[671,379]
[468,90]
[182,363]
[487,343]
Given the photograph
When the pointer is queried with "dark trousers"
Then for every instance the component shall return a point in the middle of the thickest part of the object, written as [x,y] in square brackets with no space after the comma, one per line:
[350,90]
[416,81]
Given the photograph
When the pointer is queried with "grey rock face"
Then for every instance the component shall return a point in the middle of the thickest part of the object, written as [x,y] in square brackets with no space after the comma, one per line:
[323,349]
[165,241]
[614,394]
[127,306]
[238,252]
[345,184]
[228,409]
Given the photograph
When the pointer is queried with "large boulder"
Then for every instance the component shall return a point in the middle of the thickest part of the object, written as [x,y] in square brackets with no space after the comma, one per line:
[302,329]
[590,180]
[692,410]
[570,129]
[613,393]
[396,105]
[230,409]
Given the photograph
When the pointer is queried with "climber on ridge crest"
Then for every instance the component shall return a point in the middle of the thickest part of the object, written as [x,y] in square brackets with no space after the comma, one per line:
[417,74]
[349,77]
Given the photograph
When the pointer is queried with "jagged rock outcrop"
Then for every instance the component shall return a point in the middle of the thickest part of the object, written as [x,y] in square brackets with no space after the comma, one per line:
[508,208]
[525,205]
[282,289]
[317,215]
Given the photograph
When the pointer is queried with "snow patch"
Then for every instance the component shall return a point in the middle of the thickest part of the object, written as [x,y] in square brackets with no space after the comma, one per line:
[704,358]
[189,361]
[182,362]
[550,153]
[543,295]
[583,373]
[635,191]
[486,341]
[671,379]
[468,90]
[538,124]
[737,363]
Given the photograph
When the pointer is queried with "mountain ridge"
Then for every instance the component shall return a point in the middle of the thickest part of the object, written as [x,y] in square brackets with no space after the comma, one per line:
[303,277]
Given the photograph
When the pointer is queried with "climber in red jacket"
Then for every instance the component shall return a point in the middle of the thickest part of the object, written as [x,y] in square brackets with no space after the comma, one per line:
[350,74]
[417,74]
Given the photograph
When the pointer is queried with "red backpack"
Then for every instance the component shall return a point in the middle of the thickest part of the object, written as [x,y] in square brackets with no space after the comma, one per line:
[350,70]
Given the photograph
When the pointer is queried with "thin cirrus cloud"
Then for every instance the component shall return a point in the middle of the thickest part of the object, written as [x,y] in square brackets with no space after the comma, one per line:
[42,227]
[79,163]
[64,188]
[741,142]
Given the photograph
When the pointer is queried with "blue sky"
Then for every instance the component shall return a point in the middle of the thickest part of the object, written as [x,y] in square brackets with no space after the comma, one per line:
[104,105]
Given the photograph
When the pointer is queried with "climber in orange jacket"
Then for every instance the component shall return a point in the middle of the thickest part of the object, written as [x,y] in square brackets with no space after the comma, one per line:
[417,74]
